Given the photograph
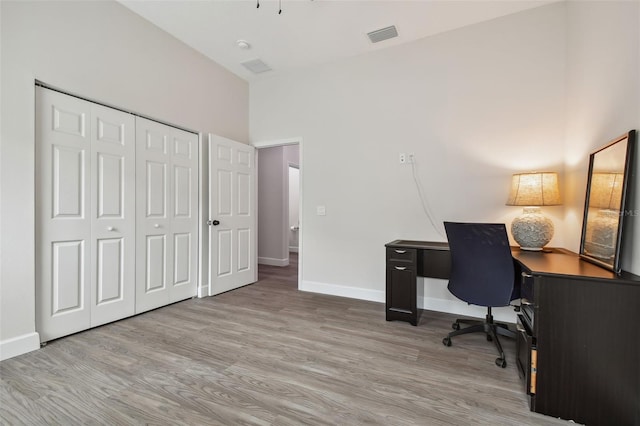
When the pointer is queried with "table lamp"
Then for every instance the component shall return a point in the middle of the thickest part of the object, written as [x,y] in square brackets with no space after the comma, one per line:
[532,230]
[605,196]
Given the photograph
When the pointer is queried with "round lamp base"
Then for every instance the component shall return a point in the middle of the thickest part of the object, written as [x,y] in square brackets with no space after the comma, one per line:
[531,230]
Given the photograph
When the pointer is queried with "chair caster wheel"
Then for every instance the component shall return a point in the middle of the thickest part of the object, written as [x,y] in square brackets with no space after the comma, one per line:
[446,341]
[501,362]
[455,326]
[489,338]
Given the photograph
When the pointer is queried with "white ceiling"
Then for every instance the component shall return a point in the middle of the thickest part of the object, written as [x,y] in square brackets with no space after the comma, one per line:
[309,33]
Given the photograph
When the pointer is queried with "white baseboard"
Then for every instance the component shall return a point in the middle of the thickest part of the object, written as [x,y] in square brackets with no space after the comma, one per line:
[458,307]
[293,249]
[273,262]
[455,307]
[19,345]
[343,291]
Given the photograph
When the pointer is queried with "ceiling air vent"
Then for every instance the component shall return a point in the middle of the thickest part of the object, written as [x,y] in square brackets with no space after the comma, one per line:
[383,34]
[256,66]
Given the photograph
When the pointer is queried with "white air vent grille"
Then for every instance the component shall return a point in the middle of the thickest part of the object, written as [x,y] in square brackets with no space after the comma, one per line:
[256,66]
[383,34]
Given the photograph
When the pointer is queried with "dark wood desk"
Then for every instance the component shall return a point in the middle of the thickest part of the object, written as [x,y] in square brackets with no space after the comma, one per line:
[407,260]
[578,340]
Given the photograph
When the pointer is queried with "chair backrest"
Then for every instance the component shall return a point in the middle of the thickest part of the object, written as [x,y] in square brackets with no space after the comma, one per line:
[482,268]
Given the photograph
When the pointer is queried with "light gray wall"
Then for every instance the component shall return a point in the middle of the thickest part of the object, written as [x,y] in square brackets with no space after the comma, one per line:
[474,105]
[102,51]
[603,102]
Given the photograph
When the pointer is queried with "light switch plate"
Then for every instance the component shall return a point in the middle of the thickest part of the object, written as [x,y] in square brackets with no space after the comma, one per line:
[321,210]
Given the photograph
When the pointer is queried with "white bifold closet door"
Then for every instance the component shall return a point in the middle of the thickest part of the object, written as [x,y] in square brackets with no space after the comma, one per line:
[167,226]
[116,214]
[85,214]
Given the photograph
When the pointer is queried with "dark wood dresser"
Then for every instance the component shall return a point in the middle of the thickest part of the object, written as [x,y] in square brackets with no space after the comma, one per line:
[578,344]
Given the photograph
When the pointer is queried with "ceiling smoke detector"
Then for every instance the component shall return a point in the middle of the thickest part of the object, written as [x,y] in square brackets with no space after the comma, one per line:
[383,34]
[243,44]
[256,66]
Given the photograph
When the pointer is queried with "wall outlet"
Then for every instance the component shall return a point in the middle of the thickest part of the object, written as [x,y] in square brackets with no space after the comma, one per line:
[321,210]
[403,158]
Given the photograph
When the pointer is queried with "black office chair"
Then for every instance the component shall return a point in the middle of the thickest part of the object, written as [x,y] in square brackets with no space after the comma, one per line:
[483,274]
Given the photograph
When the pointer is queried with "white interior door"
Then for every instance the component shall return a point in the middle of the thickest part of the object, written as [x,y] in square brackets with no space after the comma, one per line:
[232,215]
[63,217]
[167,207]
[113,217]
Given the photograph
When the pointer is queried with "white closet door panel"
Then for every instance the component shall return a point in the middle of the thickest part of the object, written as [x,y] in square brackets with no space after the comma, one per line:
[156,189]
[156,264]
[232,241]
[110,185]
[184,208]
[110,283]
[154,245]
[63,220]
[182,180]
[68,280]
[67,181]
[182,259]
[167,165]
[113,214]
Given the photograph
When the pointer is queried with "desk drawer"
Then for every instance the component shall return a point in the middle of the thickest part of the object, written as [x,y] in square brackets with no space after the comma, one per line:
[527,301]
[524,349]
[526,287]
[401,254]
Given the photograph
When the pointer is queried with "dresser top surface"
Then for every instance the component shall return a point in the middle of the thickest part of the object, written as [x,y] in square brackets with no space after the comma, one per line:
[559,261]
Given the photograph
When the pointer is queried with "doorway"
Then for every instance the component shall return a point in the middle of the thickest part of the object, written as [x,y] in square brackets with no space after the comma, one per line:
[279,204]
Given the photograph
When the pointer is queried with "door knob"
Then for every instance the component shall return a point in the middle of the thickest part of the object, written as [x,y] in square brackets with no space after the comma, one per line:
[214,222]
[156,225]
[110,228]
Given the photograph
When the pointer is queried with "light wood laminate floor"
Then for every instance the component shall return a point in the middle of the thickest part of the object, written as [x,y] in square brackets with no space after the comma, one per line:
[266,354]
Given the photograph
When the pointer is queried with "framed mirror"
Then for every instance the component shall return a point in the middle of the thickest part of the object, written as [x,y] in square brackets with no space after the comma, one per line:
[604,208]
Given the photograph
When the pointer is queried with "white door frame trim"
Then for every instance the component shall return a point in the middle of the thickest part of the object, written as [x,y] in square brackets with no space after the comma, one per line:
[283,142]
[278,142]
[203,215]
